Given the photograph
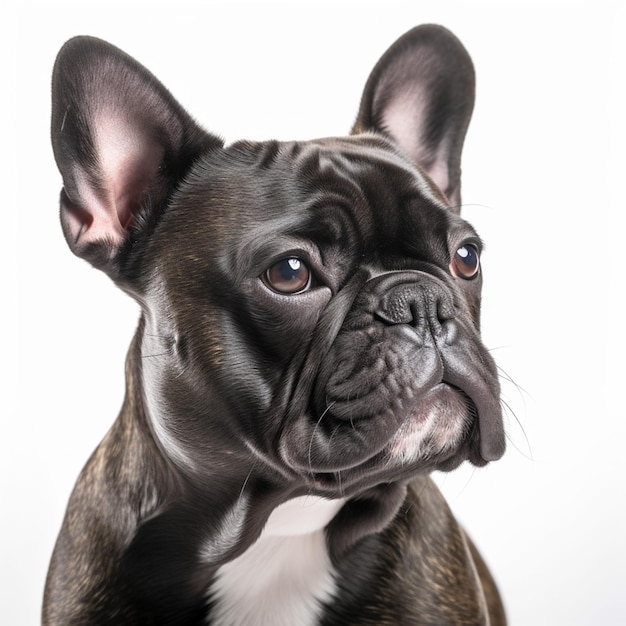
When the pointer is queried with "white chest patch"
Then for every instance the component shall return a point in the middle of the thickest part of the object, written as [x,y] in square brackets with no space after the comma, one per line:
[283,578]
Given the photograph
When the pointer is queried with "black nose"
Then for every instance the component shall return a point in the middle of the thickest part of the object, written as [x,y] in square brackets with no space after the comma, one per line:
[416,300]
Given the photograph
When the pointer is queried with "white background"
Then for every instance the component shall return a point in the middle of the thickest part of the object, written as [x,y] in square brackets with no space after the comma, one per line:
[543,178]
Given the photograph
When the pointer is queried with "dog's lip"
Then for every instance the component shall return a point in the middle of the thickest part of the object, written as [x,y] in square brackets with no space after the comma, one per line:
[492,442]
[484,440]
[464,368]
[351,479]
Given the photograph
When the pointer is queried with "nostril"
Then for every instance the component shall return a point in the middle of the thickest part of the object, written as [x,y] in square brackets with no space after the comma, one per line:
[441,317]
[399,307]
[395,318]
[445,309]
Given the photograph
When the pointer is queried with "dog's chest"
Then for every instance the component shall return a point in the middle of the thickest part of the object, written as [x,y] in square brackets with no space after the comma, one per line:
[285,577]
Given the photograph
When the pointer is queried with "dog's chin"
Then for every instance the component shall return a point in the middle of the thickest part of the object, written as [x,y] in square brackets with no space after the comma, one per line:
[435,431]
[439,433]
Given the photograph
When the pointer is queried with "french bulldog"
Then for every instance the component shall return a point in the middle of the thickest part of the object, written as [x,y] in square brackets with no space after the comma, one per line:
[308,352]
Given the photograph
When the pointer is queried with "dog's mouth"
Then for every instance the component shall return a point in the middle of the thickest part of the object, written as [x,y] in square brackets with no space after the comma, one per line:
[447,426]
[449,412]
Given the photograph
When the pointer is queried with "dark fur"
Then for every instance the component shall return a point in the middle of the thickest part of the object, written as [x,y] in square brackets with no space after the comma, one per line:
[233,391]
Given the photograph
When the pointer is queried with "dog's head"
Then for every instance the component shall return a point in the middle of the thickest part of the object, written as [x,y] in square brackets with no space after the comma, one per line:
[310,309]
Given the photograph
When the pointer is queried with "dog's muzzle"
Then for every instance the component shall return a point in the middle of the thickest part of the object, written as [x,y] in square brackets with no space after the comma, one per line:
[409,359]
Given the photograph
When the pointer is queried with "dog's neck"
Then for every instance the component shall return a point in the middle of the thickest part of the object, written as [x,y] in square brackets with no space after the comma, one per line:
[301,516]
[285,576]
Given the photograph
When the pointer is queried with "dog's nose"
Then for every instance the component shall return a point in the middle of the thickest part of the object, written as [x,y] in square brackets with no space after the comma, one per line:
[419,302]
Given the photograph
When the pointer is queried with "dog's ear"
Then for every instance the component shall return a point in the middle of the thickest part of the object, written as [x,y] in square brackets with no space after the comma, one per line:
[421,94]
[122,145]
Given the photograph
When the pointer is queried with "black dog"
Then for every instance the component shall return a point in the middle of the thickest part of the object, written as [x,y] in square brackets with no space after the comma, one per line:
[308,351]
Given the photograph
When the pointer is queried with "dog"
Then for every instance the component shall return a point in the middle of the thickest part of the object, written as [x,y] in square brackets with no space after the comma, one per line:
[308,352]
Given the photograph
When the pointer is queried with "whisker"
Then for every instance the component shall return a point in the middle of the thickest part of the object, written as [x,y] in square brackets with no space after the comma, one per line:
[529,456]
[509,411]
[319,421]
[245,482]
[467,482]
[332,435]
[339,484]
[477,205]
[509,379]
[157,354]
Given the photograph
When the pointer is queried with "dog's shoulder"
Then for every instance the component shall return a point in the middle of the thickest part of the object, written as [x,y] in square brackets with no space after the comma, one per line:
[409,584]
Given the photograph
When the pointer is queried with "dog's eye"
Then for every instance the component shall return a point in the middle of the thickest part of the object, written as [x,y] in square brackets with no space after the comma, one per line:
[288,276]
[466,262]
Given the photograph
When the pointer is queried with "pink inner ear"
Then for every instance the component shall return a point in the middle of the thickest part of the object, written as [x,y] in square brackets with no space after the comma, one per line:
[403,119]
[128,162]
[94,218]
